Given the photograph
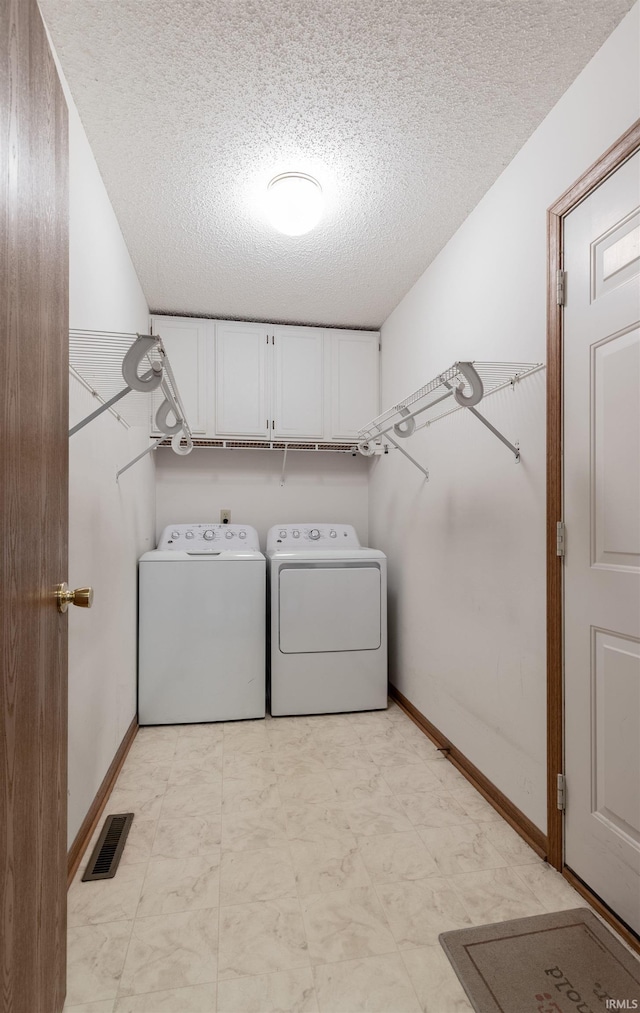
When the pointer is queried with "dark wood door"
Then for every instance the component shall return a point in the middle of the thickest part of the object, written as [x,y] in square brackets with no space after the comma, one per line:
[33,514]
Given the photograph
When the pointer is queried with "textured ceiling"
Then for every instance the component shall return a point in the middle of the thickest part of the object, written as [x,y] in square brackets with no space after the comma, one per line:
[405,110]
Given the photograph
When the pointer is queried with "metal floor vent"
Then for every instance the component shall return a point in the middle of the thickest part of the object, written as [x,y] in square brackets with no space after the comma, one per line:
[107,853]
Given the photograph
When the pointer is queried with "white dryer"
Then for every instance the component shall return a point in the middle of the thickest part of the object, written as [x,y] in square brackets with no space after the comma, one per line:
[201,627]
[328,620]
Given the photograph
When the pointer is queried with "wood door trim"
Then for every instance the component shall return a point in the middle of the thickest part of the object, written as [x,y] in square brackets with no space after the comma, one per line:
[612,159]
[529,832]
[90,822]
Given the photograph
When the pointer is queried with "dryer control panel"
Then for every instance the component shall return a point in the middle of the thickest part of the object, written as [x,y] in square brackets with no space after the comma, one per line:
[197,538]
[312,536]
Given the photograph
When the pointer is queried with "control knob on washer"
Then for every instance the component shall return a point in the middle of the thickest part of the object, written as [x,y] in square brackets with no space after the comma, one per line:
[189,534]
[209,534]
[229,534]
[314,534]
[283,533]
[332,534]
[242,534]
[175,534]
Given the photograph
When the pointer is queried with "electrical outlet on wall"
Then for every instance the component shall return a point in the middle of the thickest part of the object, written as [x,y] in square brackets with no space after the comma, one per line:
[225,516]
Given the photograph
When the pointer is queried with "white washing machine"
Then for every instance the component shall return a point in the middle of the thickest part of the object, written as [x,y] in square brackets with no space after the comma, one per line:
[328,620]
[201,627]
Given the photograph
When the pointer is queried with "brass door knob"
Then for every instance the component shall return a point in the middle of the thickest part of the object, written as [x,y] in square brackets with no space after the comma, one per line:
[82,597]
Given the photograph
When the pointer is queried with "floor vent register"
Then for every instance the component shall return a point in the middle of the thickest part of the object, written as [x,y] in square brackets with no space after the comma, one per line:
[107,853]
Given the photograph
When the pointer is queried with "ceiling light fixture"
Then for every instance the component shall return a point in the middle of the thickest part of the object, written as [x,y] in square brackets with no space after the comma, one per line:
[294,203]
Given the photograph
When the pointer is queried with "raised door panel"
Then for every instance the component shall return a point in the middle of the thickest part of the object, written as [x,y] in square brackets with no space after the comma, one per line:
[241,380]
[187,342]
[615,446]
[355,383]
[298,382]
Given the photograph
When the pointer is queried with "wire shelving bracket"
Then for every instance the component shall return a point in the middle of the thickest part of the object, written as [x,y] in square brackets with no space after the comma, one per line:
[466,383]
[103,360]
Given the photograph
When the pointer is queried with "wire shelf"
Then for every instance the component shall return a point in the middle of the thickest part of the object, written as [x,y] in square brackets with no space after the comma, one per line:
[434,397]
[214,444]
[95,358]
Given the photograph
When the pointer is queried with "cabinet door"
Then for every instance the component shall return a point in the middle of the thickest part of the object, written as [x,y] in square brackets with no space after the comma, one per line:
[241,380]
[187,342]
[355,383]
[298,382]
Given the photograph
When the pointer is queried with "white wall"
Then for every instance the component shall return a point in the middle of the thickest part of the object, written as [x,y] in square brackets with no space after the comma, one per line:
[318,487]
[110,524]
[467,549]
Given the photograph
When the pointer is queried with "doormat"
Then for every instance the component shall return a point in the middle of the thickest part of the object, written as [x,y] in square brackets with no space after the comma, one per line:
[566,962]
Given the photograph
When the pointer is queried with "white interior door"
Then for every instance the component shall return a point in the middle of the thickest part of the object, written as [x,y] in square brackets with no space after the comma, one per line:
[602,514]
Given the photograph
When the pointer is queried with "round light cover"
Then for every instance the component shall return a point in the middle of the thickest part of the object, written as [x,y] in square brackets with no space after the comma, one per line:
[294,203]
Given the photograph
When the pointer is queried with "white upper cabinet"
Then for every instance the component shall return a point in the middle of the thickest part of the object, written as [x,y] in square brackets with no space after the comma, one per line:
[355,381]
[268,382]
[298,382]
[189,344]
[242,408]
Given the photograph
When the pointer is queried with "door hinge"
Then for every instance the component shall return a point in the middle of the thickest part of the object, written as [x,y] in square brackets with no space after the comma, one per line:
[561,800]
[560,538]
[561,288]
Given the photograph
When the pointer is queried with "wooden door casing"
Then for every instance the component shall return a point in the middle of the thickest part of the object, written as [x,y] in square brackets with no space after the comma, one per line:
[34,510]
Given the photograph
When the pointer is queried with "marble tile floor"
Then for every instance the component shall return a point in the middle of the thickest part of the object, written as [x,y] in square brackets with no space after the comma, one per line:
[295,865]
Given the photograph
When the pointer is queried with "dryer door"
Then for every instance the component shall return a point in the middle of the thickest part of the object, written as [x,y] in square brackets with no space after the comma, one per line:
[326,608]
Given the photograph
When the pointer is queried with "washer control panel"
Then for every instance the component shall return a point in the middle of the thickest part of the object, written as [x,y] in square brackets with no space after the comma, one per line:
[312,536]
[209,538]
